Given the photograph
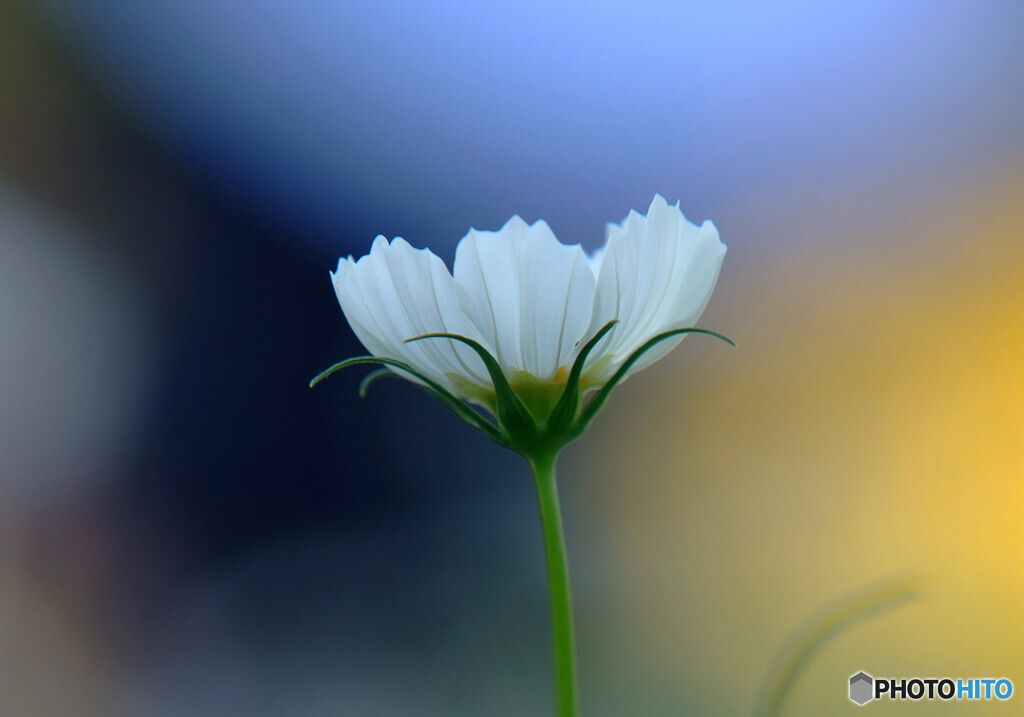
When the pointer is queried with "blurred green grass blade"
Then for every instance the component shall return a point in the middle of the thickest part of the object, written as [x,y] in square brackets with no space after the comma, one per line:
[794,659]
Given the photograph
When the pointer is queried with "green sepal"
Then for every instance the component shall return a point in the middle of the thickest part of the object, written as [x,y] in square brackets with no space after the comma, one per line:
[373,377]
[513,416]
[564,412]
[455,405]
[595,405]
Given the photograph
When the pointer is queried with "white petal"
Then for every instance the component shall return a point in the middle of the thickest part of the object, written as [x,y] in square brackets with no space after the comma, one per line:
[529,295]
[397,292]
[657,274]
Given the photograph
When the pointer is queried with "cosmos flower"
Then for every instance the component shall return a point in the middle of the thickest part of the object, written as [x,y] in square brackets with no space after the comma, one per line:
[523,329]
[525,326]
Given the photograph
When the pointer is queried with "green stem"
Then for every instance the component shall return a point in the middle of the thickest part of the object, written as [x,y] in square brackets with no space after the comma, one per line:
[558,579]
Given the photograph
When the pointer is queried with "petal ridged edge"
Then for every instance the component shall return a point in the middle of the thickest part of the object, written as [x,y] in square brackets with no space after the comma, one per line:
[395,292]
[657,274]
[529,295]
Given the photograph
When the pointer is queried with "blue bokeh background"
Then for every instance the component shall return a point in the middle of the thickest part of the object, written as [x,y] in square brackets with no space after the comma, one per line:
[432,117]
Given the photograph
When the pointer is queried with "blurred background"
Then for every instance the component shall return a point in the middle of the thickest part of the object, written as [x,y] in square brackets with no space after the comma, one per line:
[187,529]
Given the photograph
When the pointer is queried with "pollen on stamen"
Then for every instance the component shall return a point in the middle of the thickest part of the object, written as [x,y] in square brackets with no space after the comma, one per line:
[560,373]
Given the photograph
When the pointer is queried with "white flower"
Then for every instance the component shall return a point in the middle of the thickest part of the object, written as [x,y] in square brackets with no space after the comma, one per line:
[532,302]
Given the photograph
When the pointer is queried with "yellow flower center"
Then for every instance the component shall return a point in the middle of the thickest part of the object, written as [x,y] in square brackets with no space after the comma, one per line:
[539,395]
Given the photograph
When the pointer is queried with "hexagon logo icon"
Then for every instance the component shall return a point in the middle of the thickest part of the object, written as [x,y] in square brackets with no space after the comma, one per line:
[862,688]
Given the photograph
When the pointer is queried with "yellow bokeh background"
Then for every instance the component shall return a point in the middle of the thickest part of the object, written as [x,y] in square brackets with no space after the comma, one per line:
[869,424]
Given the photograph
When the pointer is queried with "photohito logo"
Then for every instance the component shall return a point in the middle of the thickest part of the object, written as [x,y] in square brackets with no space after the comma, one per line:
[864,688]
[861,688]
